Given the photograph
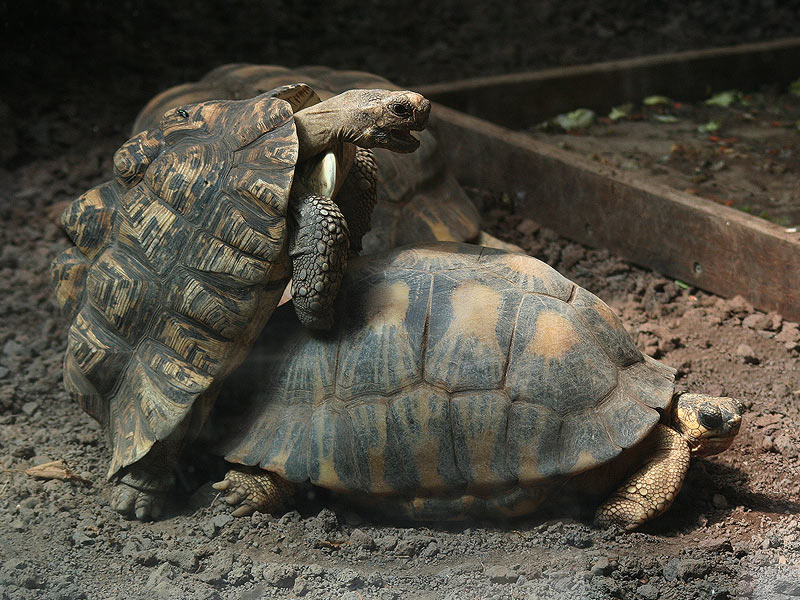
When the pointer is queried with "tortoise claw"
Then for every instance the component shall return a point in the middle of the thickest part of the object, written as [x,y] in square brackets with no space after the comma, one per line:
[250,489]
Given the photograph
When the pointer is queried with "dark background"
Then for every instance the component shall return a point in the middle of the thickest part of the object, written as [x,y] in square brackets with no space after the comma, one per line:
[93,54]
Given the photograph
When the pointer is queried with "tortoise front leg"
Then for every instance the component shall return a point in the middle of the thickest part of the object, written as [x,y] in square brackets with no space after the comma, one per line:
[357,197]
[653,487]
[251,489]
[318,243]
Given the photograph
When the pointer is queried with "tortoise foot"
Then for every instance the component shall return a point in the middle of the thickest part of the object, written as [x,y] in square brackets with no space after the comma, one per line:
[140,494]
[250,489]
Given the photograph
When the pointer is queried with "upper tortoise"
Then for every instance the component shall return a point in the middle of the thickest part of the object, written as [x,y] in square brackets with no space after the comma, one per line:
[460,380]
[418,199]
[181,258]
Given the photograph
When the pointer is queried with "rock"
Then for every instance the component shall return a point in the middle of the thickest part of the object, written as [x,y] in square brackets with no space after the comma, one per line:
[221,520]
[280,576]
[785,446]
[746,354]
[501,574]
[327,520]
[430,550]
[30,407]
[788,587]
[3,371]
[603,566]
[387,542]
[756,321]
[300,587]
[527,226]
[715,545]
[350,579]
[360,539]
[375,579]
[790,332]
[648,591]
[579,539]
[185,559]
[690,568]
[14,349]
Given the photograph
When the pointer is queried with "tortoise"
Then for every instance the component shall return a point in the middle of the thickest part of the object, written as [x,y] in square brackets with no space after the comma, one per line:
[465,381]
[182,257]
[419,200]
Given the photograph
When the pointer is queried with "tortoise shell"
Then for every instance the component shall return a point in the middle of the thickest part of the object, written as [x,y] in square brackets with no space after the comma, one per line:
[178,263]
[418,199]
[451,368]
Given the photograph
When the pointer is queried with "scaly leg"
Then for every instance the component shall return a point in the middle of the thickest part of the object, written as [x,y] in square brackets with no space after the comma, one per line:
[251,489]
[357,197]
[653,487]
[318,243]
[142,488]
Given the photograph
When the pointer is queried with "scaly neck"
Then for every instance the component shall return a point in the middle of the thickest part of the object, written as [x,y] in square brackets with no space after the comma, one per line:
[322,125]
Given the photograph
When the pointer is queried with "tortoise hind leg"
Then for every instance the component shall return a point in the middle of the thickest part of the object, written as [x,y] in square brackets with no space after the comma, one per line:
[142,488]
[252,489]
[652,488]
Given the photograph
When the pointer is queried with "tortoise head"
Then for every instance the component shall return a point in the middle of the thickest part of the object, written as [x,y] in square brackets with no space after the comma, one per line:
[366,118]
[708,423]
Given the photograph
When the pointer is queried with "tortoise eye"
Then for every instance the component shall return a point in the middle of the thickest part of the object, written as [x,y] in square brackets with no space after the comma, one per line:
[183,114]
[710,416]
[401,110]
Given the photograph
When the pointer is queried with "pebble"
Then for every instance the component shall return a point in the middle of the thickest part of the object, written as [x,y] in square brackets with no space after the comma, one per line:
[350,579]
[745,352]
[360,539]
[279,576]
[603,566]
[788,587]
[3,371]
[756,321]
[648,591]
[527,226]
[501,574]
[30,407]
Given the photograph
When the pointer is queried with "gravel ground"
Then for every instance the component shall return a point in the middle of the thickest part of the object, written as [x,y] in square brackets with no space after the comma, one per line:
[734,532]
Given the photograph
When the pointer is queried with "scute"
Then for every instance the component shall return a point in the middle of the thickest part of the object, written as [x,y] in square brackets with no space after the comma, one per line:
[555,361]
[163,308]
[572,396]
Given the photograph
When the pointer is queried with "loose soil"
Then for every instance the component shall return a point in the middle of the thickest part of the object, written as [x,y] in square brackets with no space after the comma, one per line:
[734,531]
[746,155]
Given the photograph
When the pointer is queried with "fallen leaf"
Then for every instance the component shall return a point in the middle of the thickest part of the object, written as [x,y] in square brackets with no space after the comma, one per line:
[655,100]
[666,118]
[579,118]
[56,469]
[618,112]
[725,99]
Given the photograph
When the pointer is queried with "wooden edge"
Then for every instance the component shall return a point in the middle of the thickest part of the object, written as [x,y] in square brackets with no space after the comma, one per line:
[520,100]
[711,246]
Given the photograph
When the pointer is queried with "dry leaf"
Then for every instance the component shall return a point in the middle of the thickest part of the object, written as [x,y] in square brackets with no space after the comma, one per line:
[56,469]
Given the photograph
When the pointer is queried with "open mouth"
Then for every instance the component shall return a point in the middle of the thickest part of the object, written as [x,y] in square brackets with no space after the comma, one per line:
[403,139]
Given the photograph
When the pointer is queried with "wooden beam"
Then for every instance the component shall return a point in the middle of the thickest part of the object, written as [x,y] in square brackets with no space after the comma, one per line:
[716,248]
[520,100]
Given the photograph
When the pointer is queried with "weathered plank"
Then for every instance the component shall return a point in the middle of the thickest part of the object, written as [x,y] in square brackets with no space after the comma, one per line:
[682,236]
[520,100]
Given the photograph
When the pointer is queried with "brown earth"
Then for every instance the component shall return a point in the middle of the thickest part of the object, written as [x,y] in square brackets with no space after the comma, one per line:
[746,155]
[734,531]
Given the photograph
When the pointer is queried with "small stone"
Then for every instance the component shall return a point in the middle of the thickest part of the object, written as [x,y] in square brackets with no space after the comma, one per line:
[221,520]
[350,579]
[360,539]
[501,574]
[430,550]
[375,579]
[30,407]
[579,539]
[17,525]
[527,226]
[3,372]
[788,587]
[756,321]
[715,545]
[719,501]
[300,587]
[690,568]
[387,542]
[15,349]
[790,332]
[280,576]
[746,354]
[603,566]
[648,591]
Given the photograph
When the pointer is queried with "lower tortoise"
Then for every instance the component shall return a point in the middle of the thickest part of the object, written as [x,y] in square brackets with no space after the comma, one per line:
[466,381]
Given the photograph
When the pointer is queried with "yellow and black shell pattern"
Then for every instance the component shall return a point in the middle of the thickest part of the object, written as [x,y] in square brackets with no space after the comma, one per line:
[452,369]
[418,199]
[178,262]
